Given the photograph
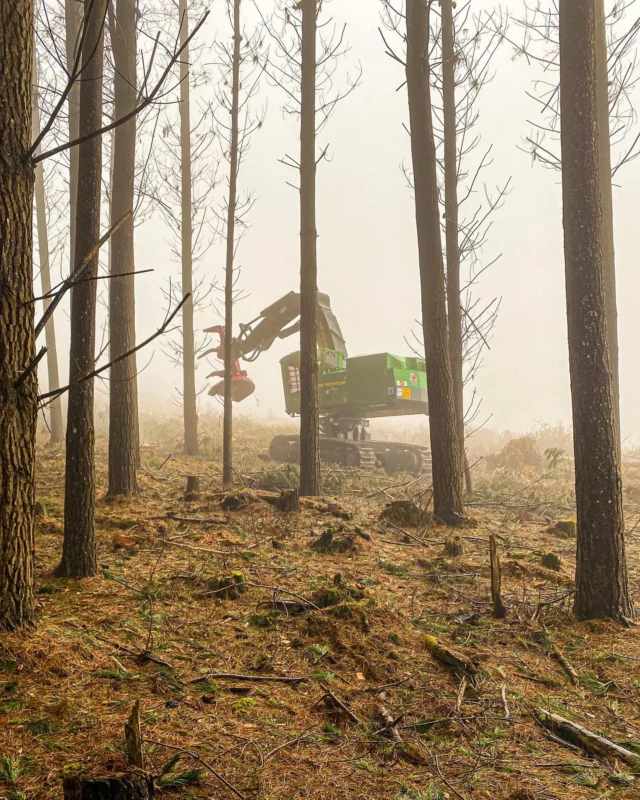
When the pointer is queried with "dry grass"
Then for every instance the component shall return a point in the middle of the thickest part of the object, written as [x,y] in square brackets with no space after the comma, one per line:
[153,627]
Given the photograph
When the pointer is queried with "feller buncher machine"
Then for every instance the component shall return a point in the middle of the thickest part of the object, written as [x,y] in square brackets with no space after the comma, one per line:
[350,391]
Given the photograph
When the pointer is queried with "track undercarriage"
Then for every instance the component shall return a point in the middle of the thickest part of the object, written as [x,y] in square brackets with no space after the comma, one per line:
[393,457]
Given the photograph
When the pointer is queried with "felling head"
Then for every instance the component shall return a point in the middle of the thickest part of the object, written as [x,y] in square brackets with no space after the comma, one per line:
[241,387]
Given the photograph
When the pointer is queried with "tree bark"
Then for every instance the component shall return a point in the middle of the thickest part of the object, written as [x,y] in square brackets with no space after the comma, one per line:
[606,194]
[123,386]
[73,11]
[309,413]
[18,399]
[79,547]
[55,407]
[227,431]
[188,341]
[444,429]
[601,571]
[452,226]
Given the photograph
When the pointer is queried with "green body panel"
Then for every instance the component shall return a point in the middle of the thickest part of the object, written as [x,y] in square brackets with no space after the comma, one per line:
[370,386]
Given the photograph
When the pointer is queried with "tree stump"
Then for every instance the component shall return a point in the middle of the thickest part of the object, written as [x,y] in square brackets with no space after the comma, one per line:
[566,528]
[133,737]
[453,547]
[288,501]
[115,787]
[193,487]
[499,609]
[551,561]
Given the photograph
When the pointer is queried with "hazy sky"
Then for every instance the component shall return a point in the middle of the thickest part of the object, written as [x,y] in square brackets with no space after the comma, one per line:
[367,253]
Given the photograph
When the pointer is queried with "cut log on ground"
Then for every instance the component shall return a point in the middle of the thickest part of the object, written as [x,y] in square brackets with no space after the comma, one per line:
[581,737]
[460,663]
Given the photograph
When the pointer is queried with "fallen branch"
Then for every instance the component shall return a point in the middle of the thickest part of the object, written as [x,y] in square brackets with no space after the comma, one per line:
[505,705]
[207,766]
[195,520]
[232,676]
[460,697]
[566,665]
[329,694]
[285,591]
[390,726]
[203,549]
[576,735]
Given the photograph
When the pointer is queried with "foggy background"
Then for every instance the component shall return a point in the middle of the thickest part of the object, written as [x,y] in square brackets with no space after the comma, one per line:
[367,250]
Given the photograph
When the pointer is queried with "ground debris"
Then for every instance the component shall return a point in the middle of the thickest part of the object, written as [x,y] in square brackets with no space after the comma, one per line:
[591,742]
[405,513]
[449,657]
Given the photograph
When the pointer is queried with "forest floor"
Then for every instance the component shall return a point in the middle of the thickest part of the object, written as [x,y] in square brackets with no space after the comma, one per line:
[158,625]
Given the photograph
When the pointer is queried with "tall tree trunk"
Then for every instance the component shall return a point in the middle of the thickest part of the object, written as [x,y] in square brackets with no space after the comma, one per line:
[452,226]
[309,414]
[55,407]
[79,547]
[18,398]
[444,429]
[123,386]
[601,571]
[188,341]
[606,194]
[227,434]
[73,24]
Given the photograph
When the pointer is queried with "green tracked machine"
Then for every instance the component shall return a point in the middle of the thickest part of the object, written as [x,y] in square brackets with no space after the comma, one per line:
[350,391]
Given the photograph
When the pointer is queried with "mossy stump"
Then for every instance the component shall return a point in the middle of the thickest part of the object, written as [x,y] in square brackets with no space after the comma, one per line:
[328,542]
[227,587]
[235,500]
[551,561]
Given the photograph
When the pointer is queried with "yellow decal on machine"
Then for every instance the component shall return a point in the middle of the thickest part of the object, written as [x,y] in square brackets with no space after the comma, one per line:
[406,393]
[334,383]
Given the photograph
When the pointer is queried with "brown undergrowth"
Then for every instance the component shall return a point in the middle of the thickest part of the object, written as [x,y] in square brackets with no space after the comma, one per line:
[196,607]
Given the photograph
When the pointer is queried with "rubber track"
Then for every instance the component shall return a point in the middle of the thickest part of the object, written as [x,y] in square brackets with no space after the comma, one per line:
[348,453]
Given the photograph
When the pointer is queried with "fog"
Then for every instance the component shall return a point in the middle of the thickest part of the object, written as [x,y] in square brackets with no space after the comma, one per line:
[367,252]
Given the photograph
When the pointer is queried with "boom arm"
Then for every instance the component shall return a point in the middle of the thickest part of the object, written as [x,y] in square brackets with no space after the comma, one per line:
[275,322]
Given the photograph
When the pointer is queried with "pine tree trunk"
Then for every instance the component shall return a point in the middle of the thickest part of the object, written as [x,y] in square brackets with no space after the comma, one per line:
[601,571]
[452,227]
[73,10]
[18,399]
[444,428]
[309,414]
[188,341]
[79,547]
[55,407]
[606,194]
[227,433]
[123,386]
